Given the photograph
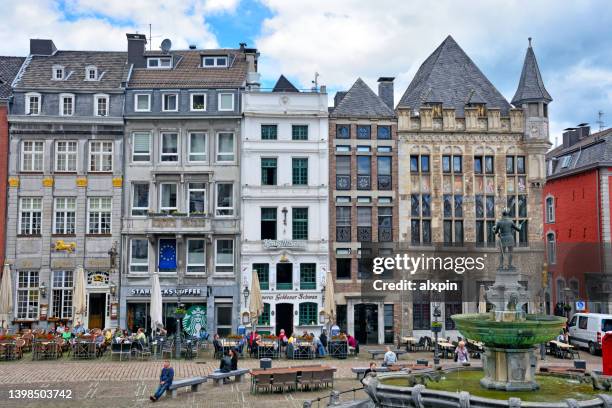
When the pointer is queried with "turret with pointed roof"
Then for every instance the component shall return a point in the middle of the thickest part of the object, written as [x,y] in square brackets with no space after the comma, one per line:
[361,101]
[531,86]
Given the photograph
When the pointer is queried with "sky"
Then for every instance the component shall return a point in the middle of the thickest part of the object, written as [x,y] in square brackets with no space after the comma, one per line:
[346,39]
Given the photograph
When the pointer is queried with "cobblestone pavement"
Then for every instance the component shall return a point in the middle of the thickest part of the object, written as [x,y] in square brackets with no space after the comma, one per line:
[129,383]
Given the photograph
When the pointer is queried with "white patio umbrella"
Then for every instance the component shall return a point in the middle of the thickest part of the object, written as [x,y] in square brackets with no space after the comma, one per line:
[256,305]
[329,307]
[482,303]
[79,301]
[155,310]
[6,297]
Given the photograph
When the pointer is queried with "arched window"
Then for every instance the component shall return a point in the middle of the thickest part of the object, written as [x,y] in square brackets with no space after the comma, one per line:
[308,314]
[551,248]
[550,209]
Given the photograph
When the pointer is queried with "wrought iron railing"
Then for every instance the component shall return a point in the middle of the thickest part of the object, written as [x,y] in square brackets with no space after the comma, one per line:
[343,182]
[384,182]
[343,234]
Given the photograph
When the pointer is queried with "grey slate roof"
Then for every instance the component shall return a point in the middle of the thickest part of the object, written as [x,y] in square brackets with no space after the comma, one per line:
[450,77]
[361,101]
[112,71]
[591,151]
[531,87]
[284,85]
[9,67]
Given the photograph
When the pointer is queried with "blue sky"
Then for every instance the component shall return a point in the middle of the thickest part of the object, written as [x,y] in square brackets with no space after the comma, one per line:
[346,39]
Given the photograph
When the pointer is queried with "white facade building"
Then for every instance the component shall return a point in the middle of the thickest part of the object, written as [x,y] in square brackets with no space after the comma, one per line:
[284,198]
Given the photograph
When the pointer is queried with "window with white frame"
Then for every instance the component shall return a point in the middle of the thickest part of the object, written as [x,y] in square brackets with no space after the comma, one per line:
[30,215]
[214,61]
[32,103]
[141,147]
[196,255]
[226,101]
[550,209]
[169,102]
[197,198]
[66,104]
[99,210]
[159,62]
[58,72]
[142,102]
[61,294]
[140,199]
[91,73]
[224,255]
[101,105]
[197,147]
[167,197]
[66,155]
[32,154]
[64,215]
[551,248]
[139,255]
[169,147]
[100,156]
[198,102]
[225,147]
[225,200]
[27,295]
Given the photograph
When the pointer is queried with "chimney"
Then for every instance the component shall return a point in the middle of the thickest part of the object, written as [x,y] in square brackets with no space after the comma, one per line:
[136,48]
[192,46]
[570,137]
[42,47]
[338,97]
[584,130]
[385,90]
[251,55]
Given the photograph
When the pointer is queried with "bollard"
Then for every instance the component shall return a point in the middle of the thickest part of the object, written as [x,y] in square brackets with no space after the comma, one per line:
[307,404]
[334,398]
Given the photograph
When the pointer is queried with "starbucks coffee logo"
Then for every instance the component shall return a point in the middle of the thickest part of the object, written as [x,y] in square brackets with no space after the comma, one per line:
[194,320]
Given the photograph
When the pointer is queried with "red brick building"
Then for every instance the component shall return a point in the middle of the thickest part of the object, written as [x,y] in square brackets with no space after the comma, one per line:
[577,222]
[9,67]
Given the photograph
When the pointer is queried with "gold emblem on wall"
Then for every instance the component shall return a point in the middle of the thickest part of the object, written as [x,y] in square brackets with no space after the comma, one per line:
[47,182]
[60,245]
[81,181]
[13,181]
[117,181]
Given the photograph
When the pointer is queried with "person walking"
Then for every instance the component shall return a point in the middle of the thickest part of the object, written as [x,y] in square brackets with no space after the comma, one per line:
[165,381]
[461,353]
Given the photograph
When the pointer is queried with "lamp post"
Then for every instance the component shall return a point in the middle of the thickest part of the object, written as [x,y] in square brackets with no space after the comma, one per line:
[436,329]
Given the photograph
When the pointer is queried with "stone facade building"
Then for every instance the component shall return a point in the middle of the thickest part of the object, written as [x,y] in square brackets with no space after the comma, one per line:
[363,209]
[65,179]
[465,154]
[182,181]
[284,198]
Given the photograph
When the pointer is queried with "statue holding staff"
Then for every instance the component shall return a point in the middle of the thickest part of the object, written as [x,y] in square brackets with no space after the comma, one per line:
[505,228]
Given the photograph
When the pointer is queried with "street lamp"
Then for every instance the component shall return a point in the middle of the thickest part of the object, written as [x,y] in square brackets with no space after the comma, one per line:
[113,290]
[436,327]
[43,290]
[246,292]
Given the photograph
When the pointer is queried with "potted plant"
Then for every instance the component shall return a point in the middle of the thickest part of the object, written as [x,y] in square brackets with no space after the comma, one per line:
[436,327]
[179,312]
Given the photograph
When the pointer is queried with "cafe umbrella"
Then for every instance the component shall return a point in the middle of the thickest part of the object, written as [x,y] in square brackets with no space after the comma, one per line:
[156,304]
[80,295]
[256,305]
[482,303]
[329,306]
[6,297]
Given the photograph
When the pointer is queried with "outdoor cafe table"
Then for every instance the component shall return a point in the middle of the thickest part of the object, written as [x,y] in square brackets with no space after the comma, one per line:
[447,348]
[228,344]
[409,342]
[338,348]
[268,349]
[8,350]
[84,349]
[45,350]
[303,350]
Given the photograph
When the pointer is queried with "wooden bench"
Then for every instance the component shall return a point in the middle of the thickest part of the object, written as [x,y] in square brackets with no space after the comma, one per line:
[193,382]
[375,353]
[360,371]
[218,376]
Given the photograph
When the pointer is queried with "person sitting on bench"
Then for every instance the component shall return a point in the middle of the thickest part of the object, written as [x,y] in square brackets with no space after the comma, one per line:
[370,370]
[390,357]
[165,381]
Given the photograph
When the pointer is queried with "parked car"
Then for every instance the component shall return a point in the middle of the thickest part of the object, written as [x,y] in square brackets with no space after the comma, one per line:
[587,330]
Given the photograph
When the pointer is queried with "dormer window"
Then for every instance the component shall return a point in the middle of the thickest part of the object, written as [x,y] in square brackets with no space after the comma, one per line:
[58,73]
[66,104]
[32,103]
[101,105]
[159,62]
[91,73]
[214,61]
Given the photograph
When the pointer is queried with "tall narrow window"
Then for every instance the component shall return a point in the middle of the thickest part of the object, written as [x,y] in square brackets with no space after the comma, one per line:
[299,171]
[168,197]
[139,255]
[197,147]
[385,224]
[343,268]
[550,210]
[61,294]
[224,256]
[101,105]
[30,215]
[99,215]
[484,186]
[197,198]
[32,154]
[269,132]
[299,132]
[364,224]
[141,147]
[421,312]
[169,147]
[27,294]
[225,199]
[343,223]
[140,199]
[196,255]
[225,147]
[551,248]
[384,172]
[364,172]
[420,200]
[32,103]
[343,172]
[308,276]
[263,273]
[452,305]
[268,223]
[64,215]
[66,156]
[300,223]
[268,171]
[452,199]
[516,195]
[100,156]
[66,104]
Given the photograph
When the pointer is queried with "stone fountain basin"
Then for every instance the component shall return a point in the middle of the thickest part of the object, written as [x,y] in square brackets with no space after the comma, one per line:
[483,327]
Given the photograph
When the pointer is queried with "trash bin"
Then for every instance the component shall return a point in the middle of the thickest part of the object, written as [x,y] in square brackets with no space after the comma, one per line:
[265,363]
[606,353]
[580,364]
[422,362]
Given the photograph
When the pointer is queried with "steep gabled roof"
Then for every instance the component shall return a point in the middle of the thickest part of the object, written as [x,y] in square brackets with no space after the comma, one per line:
[592,151]
[361,101]
[9,67]
[531,86]
[284,85]
[450,77]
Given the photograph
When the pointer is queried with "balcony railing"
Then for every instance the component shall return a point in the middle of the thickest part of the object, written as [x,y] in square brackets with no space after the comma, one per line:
[284,286]
[384,182]
[364,183]
[364,234]
[385,234]
[343,182]
[343,234]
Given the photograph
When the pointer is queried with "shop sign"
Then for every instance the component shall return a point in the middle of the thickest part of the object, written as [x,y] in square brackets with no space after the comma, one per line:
[282,243]
[97,278]
[290,296]
[194,320]
[146,292]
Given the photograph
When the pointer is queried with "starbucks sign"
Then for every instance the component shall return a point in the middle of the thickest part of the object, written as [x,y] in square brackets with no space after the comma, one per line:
[194,320]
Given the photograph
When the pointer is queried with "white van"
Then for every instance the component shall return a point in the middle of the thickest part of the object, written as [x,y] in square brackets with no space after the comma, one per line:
[587,330]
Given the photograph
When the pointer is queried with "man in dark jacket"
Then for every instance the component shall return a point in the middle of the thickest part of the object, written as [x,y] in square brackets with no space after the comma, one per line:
[165,381]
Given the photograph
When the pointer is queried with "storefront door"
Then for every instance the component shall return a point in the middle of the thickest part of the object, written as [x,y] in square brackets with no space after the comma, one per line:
[366,323]
[284,318]
[97,310]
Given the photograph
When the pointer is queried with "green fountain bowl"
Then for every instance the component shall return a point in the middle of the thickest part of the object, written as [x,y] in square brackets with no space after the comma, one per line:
[483,327]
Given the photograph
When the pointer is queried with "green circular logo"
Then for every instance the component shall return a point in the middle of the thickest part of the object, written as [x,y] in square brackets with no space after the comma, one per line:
[194,320]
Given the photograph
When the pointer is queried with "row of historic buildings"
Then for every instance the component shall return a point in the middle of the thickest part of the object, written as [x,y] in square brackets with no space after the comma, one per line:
[178,162]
